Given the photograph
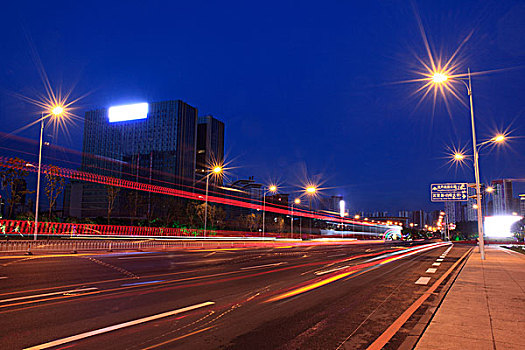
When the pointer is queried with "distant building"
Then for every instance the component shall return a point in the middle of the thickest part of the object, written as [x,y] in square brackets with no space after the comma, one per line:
[210,146]
[331,203]
[452,212]
[419,218]
[522,204]
[502,196]
[278,200]
[152,143]
[471,211]
[405,214]
[246,189]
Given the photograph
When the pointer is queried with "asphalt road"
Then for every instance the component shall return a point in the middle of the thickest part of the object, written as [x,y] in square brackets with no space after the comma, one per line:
[289,297]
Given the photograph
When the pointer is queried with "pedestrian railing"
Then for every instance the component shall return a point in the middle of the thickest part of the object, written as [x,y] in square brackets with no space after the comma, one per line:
[76,245]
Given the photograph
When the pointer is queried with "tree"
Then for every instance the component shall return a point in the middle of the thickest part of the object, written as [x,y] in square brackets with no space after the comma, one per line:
[13,177]
[112,192]
[173,210]
[191,213]
[54,186]
[219,216]
[280,224]
[252,221]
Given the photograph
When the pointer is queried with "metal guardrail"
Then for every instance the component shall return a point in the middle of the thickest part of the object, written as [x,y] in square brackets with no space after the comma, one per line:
[15,246]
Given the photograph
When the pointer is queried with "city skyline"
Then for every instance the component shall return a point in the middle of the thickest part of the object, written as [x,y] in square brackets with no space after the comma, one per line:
[365,139]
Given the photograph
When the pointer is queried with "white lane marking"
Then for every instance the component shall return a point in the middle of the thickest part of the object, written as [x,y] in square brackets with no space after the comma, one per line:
[439,260]
[3,277]
[118,326]
[140,283]
[207,255]
[431,270]
[436,264]
[423,280]
[259,266]
[319,273]
[48,294]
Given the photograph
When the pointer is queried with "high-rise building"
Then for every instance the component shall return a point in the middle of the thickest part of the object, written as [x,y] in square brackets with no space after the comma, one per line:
[331,203]
[210,146]
[502,202]
[418,218]
[151,143]
[404,214]
[451,211]
[522,204]
[471,208]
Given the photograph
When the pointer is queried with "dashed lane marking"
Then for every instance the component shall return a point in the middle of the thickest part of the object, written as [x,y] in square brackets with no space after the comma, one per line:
[431,270]
[141,283]
[64,292]
[439,260]
[436,264]
[119,269]
[259,266]
[118,326]
[423,280]
[319,273]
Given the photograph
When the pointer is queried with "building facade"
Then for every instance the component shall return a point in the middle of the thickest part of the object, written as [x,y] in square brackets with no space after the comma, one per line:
[210,146]
[158,148]
[502,200]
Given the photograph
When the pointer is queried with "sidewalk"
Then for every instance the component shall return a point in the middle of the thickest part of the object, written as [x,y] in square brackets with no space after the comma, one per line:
[484,308]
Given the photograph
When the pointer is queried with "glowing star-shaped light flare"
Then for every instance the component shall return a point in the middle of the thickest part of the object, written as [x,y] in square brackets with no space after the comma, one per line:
[499,138]
[439,78]
[459,156]
[311,190]
[272,188]
[57,110]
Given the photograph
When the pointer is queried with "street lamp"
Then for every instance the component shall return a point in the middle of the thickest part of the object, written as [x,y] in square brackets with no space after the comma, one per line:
[296,201]
[216,171]
[441,78]
[56,111]
[310,191]
[459,156]
[273,189]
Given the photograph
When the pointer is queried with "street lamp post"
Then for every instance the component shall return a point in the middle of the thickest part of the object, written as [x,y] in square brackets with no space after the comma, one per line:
[273,189]
[296,201]
[310,191]
[56,111]
[38,177]
[476,172]
[217,170]
[441,78]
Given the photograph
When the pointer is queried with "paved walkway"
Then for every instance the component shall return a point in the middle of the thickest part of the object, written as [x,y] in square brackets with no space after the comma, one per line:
[485,308]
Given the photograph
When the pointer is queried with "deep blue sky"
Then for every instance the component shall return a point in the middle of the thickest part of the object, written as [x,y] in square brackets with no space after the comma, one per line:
[303,87]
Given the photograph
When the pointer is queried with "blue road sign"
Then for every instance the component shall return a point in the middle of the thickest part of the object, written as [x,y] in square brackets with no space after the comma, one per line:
[449,192]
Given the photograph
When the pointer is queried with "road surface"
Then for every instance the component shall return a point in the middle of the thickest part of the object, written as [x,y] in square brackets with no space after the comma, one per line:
[289,297]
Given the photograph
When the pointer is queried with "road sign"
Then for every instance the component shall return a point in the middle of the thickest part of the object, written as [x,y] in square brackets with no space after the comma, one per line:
[449,192]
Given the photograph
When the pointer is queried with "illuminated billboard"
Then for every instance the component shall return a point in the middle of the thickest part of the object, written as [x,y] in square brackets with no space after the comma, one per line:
[500,226]
[128,112]
[342,208]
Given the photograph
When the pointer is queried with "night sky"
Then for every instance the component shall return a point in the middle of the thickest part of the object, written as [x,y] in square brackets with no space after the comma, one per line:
[304,88]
